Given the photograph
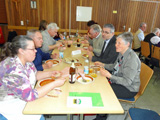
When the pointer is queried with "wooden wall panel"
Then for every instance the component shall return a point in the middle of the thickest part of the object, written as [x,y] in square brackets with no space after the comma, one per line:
[129,13]
[157,18]
[140,12]
[55,11]
[16,12]
[3,15]
[31,16]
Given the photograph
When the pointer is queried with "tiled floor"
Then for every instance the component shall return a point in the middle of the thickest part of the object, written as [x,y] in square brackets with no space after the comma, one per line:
[149,100]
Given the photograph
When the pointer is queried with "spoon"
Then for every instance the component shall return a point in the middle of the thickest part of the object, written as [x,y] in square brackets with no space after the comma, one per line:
[82,78]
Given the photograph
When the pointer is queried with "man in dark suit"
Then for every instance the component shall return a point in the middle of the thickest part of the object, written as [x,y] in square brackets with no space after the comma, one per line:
[108,53]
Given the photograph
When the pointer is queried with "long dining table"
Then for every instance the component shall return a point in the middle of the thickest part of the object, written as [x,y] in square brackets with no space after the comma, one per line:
[58,105]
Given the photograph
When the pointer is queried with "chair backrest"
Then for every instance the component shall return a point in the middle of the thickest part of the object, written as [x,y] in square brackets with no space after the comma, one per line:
[156,52]
[145,49]
[145,76]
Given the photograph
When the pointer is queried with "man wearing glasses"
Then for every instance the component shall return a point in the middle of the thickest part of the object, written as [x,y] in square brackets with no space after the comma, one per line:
[40,56]
[97,42]
[108,53]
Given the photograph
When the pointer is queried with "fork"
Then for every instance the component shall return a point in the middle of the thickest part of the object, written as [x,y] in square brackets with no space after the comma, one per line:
[82,78]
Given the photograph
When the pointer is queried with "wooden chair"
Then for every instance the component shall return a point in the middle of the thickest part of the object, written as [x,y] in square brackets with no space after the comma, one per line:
[156,53]
[145,49]
[145,76]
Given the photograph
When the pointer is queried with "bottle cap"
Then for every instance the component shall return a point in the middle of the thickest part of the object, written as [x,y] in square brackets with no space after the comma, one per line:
[72,60]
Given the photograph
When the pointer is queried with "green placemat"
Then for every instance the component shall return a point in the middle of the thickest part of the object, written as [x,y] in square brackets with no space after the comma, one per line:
[96,97]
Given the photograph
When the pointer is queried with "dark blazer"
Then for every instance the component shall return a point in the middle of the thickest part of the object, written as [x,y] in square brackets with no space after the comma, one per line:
[109,55]
[148,39]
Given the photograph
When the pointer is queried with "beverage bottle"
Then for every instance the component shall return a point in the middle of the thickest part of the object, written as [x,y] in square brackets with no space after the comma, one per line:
[61,52]
[77,33]
[65,34]
[86,65]
[72,73]
[78,43]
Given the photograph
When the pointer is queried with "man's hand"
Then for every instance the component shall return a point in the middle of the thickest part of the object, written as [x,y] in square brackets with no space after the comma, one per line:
[90,48]
[47,65]
[55,56]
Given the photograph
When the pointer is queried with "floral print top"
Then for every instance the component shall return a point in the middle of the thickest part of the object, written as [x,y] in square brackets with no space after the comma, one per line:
[18,80]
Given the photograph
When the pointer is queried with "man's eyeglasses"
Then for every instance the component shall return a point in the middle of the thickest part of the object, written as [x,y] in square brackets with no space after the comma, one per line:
[106,32]
[31,49]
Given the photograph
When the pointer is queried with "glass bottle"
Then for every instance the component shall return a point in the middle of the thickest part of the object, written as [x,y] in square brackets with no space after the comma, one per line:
[86,65]
[65,35]
[61,52]
[72,73]
[77,33]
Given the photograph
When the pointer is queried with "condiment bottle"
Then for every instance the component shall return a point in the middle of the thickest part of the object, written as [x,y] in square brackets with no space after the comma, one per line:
[72,73]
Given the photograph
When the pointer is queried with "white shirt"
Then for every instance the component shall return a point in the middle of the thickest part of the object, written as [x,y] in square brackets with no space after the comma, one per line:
[107,41]
[155,40]
[141,35]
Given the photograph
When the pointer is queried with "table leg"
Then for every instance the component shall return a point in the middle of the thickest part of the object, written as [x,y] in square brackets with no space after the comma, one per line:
[69,117]
[81,116]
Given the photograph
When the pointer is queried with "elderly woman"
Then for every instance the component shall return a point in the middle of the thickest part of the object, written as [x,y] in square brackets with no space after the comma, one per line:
[125,76]
[18,76]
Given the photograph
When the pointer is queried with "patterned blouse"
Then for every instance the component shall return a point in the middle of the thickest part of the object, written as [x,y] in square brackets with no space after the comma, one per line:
[18,80]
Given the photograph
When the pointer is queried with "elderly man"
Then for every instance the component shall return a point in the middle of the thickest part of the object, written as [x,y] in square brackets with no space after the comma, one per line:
[49,43]
[95,33]
[40,56]
[153,38]
[139,36]
[108,53]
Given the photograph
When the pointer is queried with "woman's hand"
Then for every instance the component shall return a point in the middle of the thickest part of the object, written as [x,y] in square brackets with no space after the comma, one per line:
[60,81]
[105,73]
[55,74]
[99,64]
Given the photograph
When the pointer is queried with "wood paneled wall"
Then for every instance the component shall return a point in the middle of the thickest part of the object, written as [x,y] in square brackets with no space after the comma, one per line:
[3,16]
[129,13]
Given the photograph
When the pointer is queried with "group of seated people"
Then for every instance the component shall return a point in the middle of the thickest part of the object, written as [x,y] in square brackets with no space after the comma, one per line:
[21,66]
[152,38]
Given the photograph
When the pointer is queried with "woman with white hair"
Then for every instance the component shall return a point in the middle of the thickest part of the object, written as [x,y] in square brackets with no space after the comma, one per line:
[155,40]
[125,76]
